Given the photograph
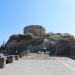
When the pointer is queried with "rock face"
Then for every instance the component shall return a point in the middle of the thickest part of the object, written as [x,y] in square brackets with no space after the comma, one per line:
[20,43]
[72,47]
[37,30]
[62,48]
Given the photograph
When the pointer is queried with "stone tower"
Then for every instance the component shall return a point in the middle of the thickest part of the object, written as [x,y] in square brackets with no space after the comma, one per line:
[37,30]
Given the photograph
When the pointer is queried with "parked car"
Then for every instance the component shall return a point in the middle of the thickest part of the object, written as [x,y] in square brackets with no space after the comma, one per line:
[2,56]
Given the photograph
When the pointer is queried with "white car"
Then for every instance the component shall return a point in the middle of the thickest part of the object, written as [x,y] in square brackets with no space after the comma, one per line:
[47,52]
[39,52]
[2,56]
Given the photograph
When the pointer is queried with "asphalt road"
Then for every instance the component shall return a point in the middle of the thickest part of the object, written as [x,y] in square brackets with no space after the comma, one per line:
[40,64]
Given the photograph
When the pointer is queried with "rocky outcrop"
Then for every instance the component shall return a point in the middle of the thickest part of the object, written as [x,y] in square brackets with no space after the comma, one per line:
[20,43]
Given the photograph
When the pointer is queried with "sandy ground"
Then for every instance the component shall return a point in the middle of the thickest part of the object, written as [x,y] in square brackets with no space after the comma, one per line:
[43,65]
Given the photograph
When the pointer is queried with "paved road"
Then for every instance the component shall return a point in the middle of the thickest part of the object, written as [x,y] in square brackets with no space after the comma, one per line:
[50,66]
[35,56]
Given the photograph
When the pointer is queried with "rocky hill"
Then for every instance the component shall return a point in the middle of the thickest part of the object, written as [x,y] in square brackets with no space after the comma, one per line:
[34,39]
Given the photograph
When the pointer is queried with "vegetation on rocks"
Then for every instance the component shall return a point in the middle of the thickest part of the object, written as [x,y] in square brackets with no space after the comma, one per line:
[65,36]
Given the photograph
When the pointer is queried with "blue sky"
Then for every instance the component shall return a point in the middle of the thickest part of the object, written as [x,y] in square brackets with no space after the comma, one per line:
[54,15]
